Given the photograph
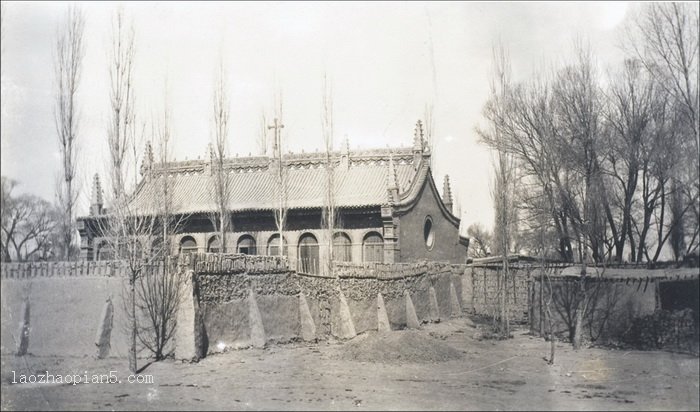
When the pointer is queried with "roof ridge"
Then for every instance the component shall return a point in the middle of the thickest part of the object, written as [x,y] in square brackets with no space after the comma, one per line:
[290,159]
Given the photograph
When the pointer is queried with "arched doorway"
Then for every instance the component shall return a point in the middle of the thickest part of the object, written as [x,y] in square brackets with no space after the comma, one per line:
[308,254]
[188,245]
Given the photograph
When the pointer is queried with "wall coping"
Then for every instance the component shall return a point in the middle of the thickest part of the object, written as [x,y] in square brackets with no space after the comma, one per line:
[389,271]
[200,262]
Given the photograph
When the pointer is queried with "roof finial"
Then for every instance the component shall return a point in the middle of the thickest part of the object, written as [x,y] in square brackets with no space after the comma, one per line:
[418,136]
[147,161]
[96,190]
[447,193]
[96,201]
[345,153]
[209,167]
[392,184]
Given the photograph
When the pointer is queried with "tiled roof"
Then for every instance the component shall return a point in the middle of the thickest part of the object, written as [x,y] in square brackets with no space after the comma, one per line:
[360,180]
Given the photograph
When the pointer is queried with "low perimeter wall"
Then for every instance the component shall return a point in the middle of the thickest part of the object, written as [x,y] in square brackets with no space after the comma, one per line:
[62,316]
[645,308]
[230,301]
[237,308]
[481,284]
[68,308]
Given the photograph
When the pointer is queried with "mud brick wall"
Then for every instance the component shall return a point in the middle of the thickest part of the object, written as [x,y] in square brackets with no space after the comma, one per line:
[221,294]
[481,285]
[224,294]
[362,282]
[618,308]
[223,300]
[64,315]
[612,307]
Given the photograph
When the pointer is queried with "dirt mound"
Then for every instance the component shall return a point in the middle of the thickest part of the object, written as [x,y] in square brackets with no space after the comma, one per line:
[397,346]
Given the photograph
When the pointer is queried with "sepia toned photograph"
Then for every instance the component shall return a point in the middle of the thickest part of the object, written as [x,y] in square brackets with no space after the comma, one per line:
[410,205]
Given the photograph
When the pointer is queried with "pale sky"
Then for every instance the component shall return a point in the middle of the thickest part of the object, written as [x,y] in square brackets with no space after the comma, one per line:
[386,61]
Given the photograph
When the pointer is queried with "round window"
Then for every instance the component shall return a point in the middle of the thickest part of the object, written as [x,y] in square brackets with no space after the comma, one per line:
[429,233]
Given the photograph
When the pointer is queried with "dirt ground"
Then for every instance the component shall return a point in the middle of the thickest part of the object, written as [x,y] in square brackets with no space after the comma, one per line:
[371,372]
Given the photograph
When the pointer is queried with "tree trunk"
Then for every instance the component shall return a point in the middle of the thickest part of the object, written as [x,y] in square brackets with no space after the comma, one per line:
[550,325]
[133,366]
[581,305]
[222,232]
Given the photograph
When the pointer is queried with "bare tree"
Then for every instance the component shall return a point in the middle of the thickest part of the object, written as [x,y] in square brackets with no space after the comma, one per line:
[221,190]
[579,111]
[552,128]
[28,225]
[329,210]
[169,221]
[480,239]
[145,228]
[159,293]
[121,130]
[124,230]
[544,276]
[628,123]
[665,39]
[528,129]
[658,157]
[67,64]
[503,192]
[7,206]
[668,47]
[159,288]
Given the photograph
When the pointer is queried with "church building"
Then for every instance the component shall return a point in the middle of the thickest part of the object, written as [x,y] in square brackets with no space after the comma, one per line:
[388,208]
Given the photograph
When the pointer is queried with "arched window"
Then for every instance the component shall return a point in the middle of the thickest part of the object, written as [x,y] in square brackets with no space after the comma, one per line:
[308,254]
[246,245]
[273,246]
[373,248]
[429,233]
[214,246]
[188,245]
[342,247]
[104,251]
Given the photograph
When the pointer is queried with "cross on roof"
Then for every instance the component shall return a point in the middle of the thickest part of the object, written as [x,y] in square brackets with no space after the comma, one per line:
[277,125]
